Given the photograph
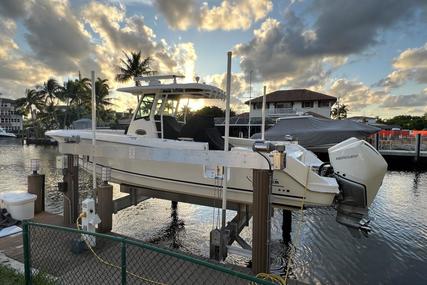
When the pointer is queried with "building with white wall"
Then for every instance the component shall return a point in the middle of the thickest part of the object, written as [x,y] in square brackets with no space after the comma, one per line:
[282,103]
[10,118]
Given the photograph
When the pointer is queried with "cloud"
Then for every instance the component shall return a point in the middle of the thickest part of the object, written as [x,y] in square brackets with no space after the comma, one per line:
[404,101]
[274,56]
[411,64]
[346,26]
[120,33]
[13,8]
[56,36]
[63,40]
[294,53]
[7,44]
[228,15]
[239,88]
[356,95]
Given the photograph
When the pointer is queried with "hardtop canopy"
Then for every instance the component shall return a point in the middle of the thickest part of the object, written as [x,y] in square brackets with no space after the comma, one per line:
[185,90]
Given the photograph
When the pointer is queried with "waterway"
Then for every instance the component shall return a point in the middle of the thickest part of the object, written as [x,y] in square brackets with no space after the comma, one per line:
[395,252]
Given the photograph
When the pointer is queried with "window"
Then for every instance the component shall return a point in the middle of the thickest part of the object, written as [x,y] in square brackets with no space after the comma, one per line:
[307,104]
[144,108]
[323,103]
[284,105]
[257,106]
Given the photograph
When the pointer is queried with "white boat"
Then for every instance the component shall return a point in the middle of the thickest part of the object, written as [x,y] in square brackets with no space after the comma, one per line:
[358,169]
[3,133]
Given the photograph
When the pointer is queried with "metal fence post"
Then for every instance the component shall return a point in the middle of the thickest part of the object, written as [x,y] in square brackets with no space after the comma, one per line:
[27,255]
[123,259]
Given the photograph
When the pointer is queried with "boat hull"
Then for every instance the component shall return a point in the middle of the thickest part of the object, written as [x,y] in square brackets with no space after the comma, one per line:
[289,185]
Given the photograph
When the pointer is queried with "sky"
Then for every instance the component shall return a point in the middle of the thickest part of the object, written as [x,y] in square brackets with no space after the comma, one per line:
[372,54]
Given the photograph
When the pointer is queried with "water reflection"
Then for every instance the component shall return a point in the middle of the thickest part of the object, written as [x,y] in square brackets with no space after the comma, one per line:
[170,233]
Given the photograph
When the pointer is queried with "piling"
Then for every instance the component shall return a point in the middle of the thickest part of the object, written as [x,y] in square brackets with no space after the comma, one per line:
[287,226]
[36,185]
[377,141]
[261,221]
[105,207]
[71,194]
[417,147]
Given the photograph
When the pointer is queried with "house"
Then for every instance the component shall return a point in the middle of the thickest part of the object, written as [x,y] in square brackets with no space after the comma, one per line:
[282,103]
[10,118]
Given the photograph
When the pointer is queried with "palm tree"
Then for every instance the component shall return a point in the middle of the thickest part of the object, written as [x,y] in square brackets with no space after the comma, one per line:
[50,89]
[103,101]
[339,112]
[29,104]
[132,66]
[102,90]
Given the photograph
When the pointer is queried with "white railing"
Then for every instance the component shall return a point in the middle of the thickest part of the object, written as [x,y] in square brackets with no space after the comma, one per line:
[281,111]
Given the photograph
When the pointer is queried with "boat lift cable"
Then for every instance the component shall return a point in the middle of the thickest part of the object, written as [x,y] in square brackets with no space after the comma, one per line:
[300,224]
[105,262]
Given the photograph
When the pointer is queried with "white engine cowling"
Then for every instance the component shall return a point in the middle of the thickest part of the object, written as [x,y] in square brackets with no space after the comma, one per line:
[357,161]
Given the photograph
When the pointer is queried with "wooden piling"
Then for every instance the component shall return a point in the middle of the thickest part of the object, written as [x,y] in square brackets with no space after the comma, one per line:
[261,221]
[105,207]
[36,185]
[417,147]
[71,195]
[377,141]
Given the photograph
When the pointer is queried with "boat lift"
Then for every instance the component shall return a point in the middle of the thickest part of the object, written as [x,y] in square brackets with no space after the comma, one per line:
[264,158]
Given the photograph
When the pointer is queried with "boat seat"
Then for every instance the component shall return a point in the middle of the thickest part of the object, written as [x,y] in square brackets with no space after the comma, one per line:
[195,128]
[171,127]
[202,129]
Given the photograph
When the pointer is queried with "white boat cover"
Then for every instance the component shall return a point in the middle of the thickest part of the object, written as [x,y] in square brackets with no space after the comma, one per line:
[311,132]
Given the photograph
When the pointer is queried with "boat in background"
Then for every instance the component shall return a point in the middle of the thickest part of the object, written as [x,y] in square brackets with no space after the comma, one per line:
[5,134]
[316,134]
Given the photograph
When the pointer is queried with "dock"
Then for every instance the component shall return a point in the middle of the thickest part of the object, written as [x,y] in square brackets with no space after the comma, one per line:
[402,152]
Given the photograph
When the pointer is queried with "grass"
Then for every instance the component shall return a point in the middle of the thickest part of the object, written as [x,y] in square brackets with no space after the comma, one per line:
[10,276]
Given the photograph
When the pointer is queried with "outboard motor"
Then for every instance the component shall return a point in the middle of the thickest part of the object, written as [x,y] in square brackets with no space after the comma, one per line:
[359,170]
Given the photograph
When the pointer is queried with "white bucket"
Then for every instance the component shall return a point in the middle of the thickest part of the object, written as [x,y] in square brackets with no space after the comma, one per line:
[19,204]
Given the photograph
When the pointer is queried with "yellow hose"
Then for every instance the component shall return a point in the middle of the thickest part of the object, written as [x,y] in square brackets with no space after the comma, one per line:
[100,259]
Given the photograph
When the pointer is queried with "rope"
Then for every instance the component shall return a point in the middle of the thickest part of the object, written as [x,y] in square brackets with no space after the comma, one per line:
[277,279]
[298,233]
[100,259]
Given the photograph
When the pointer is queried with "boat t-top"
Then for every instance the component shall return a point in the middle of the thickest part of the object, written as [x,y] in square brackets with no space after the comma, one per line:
[349,181]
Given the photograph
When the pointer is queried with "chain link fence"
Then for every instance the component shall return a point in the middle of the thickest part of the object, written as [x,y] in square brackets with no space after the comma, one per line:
[62,256]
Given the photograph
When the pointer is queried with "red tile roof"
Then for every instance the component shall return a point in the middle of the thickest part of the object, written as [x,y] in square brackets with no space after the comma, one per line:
[293,95]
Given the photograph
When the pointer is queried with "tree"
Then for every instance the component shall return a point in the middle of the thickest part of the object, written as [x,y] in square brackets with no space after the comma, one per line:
[132,66]
[29,104]
[339,111]
[50,89]
[212,111]
[103,101]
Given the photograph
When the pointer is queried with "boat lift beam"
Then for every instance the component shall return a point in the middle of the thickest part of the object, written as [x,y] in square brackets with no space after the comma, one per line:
[141,192]
[235,158]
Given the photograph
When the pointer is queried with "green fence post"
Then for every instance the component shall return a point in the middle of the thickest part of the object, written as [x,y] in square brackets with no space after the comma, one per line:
[123,258]
[27,255]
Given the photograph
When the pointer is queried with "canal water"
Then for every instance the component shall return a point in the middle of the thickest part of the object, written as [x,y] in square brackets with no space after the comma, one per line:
[395,252]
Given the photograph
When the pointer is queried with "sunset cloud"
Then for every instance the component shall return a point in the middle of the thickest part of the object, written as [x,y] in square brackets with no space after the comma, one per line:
[228,15]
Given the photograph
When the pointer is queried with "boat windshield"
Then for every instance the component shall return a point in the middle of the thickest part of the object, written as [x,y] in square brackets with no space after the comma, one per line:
[166,106]
[144,108]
